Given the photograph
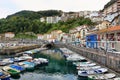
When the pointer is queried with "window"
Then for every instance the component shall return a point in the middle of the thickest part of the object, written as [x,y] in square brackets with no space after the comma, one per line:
[113,46]
[118,36]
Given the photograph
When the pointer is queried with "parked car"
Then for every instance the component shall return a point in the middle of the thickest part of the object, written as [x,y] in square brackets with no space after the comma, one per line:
[113,51]
[100,49]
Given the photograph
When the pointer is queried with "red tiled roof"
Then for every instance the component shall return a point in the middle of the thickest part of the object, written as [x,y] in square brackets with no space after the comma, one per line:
[9,33]
[114,28]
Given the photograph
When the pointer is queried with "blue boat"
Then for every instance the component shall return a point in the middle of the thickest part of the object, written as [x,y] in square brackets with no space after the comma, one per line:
[19,68]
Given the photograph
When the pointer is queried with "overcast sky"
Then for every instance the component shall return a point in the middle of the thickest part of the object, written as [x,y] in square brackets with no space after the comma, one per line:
[8,7]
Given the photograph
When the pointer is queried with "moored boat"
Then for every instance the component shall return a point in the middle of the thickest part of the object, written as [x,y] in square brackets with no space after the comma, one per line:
[11,71]
[18,59]
[88,68]
[27,65]
[4,75]
[3,63]
[92,72]
[40,61]
[25,57]
[118,78]
[86,65]
[75,57]
[102,76]
[7,61]
[109,75]
[16,67]
[79,63]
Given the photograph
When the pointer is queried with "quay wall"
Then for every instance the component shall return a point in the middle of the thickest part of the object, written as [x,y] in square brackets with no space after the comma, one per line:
[110,60]
[17,49]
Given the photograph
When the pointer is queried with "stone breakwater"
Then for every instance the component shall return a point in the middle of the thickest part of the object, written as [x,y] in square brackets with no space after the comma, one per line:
[17,49]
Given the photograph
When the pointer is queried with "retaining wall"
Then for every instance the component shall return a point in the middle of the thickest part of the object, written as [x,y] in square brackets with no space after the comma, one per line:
[110,60]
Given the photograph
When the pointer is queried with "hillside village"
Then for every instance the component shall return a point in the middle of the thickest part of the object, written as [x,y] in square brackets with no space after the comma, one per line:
[106,34]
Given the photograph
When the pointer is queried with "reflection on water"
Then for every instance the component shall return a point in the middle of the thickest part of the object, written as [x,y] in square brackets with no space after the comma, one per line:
[46,76]
[57,69]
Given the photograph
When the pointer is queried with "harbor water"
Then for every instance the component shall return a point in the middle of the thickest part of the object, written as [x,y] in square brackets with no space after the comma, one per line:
[57,69]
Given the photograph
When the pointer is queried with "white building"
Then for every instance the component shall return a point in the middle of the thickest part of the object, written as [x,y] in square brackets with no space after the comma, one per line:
[94,14]
[49,19]
[39,36]
[9,35]
[54,19]
[97,18]
[110,17]
[42,19]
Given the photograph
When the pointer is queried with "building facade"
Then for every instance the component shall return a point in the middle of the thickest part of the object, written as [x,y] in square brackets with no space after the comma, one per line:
[9,35]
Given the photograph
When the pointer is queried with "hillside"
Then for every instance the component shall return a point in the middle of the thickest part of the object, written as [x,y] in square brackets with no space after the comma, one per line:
[35,15]
[29,21]
[110,3]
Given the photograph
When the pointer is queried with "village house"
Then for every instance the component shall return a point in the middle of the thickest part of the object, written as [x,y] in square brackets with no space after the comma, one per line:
[39,36]
[56,35]
[51,19]
[111,10]
[103,25]
[78,34]
[116,21]
[112,7]
[70,15]
[9,35]
[109,38]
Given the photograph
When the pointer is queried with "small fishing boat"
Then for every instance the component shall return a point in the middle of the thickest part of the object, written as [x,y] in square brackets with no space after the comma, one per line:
[11,71]
[18,59]
[79,63]
[3,63]
[102,76]
[27,65]
[16,67]
[88,68]
[4,75]
[41,61]
[25,57]
[86,65]
[109,75]
[7,61]
[75,57]
[92,72]
[118,78]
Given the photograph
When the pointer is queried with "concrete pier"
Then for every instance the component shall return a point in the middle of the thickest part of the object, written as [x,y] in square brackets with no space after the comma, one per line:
[17,49]
[110,60]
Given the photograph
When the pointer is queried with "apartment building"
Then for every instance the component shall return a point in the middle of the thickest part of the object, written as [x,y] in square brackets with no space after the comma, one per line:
[112,7]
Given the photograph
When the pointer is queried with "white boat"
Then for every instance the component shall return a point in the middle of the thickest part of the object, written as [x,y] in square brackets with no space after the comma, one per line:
[102,76]
[118,78]
[109,75]
[79,63]
[85,65]
[7,61]
[88,68]
[18,59]
[26,57]
[75,57]
[40,61]
[92,72]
